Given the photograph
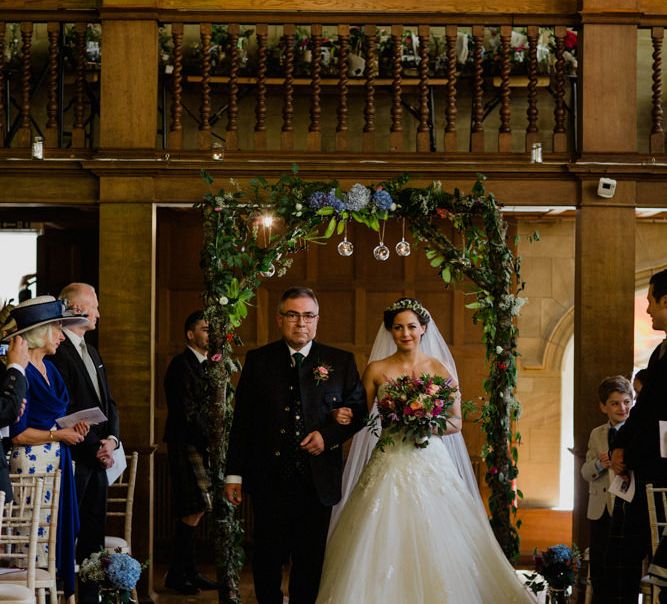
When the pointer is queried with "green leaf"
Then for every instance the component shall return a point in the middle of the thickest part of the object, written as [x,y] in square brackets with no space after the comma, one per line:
[447,274]
[437,261]
[330,228]
[341,227]
[474,305]
[206,176]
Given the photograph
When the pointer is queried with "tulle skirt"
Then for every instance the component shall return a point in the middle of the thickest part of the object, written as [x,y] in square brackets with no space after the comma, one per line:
[411,532]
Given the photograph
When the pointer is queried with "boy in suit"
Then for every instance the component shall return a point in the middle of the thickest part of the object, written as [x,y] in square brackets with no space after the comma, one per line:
[615,398]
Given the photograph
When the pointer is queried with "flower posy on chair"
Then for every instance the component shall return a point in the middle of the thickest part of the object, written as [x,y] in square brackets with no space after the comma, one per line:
[557,566]
[116,573]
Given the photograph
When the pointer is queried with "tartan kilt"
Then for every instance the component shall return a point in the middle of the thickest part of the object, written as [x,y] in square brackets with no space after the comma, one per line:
[186,495]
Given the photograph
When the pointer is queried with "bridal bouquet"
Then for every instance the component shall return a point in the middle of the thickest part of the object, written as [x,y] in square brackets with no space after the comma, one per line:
[415,407]
[116,573]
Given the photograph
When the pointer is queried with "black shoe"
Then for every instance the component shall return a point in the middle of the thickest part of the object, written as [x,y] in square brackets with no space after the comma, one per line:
[202,582]
[181,584]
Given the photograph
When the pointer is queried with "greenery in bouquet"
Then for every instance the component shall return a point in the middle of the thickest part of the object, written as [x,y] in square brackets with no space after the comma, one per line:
[117,574]
[556,567]
[415,407]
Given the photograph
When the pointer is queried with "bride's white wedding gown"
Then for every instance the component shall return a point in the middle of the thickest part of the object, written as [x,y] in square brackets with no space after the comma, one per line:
[411,533]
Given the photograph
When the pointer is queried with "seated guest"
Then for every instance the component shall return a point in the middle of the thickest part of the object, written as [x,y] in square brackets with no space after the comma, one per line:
[38,443]
[12,400]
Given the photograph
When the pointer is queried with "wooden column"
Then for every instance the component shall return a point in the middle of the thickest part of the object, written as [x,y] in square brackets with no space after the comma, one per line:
[127,302]
[128,111]
[605,232]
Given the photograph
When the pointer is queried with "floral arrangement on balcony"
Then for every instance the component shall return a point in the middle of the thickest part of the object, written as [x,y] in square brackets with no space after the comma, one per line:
[12,52]
[93,45]
[218,51]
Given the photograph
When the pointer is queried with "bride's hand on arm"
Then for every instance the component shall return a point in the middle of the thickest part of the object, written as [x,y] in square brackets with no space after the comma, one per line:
[342,416]
[455,420]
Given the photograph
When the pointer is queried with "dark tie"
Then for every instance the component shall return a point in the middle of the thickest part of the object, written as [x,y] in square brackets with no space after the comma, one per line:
[298,359]
[611,437]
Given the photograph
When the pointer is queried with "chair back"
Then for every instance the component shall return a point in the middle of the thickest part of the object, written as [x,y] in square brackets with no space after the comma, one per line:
[656,499]
[20,527]
[121,497]
[48,523]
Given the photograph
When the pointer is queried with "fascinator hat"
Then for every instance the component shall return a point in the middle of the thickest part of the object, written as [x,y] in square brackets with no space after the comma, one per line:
[36,312]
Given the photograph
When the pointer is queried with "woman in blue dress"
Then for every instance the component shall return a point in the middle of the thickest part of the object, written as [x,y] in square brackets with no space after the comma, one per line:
[38,443]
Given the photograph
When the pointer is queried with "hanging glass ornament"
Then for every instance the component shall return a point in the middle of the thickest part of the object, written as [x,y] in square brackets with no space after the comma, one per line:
[403,247]
[381,252]
[345,247]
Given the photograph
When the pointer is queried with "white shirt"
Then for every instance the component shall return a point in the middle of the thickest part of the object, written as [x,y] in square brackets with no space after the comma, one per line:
[200,357]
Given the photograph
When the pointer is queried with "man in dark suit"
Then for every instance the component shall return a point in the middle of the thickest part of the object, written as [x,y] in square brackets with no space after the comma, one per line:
[637,448]
[13,386]
[285,447]
[83,371]
[186,435]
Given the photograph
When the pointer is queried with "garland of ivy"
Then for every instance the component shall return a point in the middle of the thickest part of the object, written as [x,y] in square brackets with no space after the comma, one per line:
[238,254]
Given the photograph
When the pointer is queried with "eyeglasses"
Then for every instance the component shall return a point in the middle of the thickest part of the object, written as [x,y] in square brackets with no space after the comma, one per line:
[293,317]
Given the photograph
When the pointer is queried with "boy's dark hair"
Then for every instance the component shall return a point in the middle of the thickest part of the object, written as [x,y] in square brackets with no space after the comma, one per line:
[659,283]
[192,320]
[614,383]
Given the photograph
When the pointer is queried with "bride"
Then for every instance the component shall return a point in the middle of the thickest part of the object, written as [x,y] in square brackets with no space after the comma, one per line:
[413,528]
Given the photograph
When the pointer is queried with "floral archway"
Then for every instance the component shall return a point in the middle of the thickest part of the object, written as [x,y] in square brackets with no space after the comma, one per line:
[250,236]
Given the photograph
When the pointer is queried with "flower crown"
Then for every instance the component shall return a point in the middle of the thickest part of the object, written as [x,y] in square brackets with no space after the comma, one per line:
[410,304]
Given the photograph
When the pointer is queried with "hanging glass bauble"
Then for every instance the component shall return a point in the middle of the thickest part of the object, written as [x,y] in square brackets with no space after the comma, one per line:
[269,272]
[403,248]
[345,248]
[381,252]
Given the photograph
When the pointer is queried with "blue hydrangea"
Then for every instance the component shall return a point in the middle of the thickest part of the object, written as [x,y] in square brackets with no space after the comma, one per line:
[357,198]
[123,571]
[317,200]
[382,200]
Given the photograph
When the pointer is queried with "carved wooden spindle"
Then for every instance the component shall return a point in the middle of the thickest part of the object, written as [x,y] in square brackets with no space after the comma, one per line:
[342,106]
[451,32]
[204,134]
[396,133]
[231,137]
[477,118]
[370,73]
[560,135]
[26,60]
[51,131]
[78,126]
[3,126]
[176,125]
[532,132]
[657,141]
[287,130]
[424,128]
[314,141]
[505,130]
[262,32]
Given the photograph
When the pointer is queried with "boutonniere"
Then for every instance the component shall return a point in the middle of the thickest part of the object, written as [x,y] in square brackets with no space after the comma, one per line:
[322,372]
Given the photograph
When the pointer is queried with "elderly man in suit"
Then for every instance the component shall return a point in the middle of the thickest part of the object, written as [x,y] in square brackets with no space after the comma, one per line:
[83,371]
[615,398]
[285,446]
[186,435]
[637,448]
[13,386]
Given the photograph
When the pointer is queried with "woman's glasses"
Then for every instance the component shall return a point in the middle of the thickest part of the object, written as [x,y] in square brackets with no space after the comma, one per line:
[293,317]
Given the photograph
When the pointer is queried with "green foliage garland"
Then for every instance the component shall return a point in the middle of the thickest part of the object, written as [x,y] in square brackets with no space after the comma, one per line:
[240,249]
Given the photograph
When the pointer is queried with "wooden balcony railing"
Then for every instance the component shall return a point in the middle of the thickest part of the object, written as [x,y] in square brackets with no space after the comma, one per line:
[289,85]
[421,87]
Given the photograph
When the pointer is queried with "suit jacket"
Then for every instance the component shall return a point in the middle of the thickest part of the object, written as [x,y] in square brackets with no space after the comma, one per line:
[259,416]
[639,436]
[184,386]
[13,386]
[83,396]
[598,482]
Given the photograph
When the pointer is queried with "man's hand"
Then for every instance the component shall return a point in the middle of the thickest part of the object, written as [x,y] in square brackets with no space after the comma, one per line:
[313,443]
[18,352]
[233,493]
[617,462]
[105,452]
[342,416]
[605,462]
[21,410]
